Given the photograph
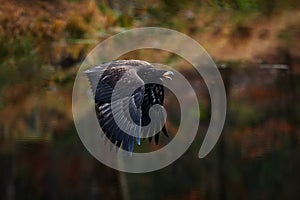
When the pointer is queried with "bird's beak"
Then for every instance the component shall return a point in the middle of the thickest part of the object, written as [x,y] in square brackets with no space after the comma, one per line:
[169,75]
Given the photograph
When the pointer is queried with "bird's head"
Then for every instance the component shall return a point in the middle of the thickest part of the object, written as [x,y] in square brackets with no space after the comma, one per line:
[167,74]
[151,73]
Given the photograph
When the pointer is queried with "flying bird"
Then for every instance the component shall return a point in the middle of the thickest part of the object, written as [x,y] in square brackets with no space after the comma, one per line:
[124,91]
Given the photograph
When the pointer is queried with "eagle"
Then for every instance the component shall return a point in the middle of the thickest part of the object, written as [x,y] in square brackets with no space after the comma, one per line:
[124,92]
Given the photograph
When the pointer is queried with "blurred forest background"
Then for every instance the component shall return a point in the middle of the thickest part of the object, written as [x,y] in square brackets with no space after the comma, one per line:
[254,42]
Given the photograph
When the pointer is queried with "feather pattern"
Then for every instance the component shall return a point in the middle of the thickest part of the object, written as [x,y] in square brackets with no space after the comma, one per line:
[123,99]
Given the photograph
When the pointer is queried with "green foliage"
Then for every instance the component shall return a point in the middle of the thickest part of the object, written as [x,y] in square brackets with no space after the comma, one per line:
[238,5]
[103,8]
[247,5]
[290,34]
[15,47]
[125,20]
[172,7]
[247,114]
[76,26]
[19,62]
[74,1]
[166,13]
[204,112]
[266,7]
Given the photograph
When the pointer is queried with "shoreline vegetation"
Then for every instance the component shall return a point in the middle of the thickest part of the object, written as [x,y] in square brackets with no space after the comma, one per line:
[43,42]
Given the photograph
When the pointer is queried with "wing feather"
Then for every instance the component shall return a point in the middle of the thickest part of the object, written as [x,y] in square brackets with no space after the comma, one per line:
[110,83]
[116,82]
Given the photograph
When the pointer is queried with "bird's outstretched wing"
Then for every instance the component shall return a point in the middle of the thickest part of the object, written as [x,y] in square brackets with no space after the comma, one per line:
[118,103]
